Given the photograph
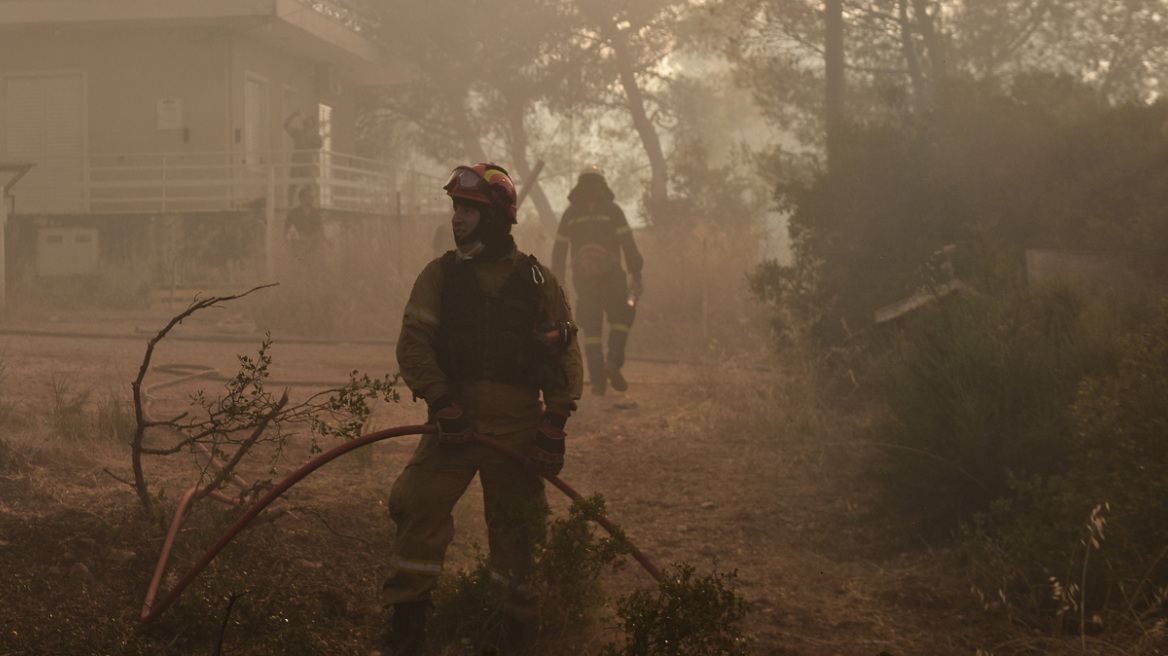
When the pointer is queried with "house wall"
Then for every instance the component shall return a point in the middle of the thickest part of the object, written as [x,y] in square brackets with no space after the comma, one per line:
[128,70]
[126,73]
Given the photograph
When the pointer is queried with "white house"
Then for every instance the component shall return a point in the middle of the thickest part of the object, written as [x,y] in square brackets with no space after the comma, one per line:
[143,115]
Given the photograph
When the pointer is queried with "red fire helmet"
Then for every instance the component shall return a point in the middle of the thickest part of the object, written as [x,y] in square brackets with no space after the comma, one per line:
[484,183]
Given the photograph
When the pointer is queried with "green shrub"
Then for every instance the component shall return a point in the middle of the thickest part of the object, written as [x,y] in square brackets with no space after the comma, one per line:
[469,606]
[1048,163]
[979,390]
[687,615]
[1038,547]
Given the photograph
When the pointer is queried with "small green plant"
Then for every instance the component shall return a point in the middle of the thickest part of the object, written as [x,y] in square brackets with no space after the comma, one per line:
[468,608]
[688,615]
[566,581]
[573,560]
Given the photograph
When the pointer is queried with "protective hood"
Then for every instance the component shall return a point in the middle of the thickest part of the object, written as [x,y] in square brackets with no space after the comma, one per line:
[591,189]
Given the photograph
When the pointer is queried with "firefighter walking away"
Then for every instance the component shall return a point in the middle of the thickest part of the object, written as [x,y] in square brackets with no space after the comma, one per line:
[593,234]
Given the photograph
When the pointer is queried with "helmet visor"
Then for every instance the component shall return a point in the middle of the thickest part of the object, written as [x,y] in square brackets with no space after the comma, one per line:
[463,178]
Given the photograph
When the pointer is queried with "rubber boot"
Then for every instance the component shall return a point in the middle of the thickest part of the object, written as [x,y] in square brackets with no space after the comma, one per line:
[594,353]
[616,359]
[408,632]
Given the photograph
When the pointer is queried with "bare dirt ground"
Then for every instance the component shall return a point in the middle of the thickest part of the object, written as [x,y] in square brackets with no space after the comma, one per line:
[689,477]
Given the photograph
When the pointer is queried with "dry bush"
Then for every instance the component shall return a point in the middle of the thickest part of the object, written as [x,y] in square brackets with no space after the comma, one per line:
[73,429]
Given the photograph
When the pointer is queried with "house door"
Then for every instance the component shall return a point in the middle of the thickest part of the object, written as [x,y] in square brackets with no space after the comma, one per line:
[256,132]
[44,123]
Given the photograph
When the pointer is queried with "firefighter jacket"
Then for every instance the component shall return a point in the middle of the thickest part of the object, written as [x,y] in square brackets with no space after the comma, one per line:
[438,354]
[594,232]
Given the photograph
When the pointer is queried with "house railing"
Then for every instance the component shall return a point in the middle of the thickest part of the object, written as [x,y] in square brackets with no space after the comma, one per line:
[215,182]
[165,183]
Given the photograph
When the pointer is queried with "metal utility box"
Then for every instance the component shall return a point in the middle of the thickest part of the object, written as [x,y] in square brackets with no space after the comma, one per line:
[66,252]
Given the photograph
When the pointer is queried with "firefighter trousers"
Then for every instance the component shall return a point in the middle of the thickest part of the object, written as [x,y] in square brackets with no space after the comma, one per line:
[424,496]
[596,300]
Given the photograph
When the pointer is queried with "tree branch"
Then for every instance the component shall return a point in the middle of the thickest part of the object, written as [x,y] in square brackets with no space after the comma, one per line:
[228,469]
[140,417]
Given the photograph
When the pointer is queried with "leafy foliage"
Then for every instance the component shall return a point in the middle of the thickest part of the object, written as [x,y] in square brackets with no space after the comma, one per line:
[688,615]
[566,581]
[573,560]
[902,53]
[1048,165]
[1036,537]
[978,391]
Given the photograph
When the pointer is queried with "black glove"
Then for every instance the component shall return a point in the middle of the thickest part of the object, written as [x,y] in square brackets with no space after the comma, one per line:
[453,425]
[636,285]
[547,449]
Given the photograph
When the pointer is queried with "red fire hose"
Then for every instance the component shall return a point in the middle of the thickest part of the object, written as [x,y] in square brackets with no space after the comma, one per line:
[150,610]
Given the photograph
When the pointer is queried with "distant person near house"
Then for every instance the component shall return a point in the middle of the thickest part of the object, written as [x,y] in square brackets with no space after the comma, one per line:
[303,227]
[594,232]
[306,145]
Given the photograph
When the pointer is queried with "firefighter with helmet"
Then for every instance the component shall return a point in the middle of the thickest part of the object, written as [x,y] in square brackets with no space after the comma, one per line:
[485,334]
[594,232]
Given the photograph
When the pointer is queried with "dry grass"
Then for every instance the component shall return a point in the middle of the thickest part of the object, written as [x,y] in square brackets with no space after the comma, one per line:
[756,467]
[74,430]
[764,393]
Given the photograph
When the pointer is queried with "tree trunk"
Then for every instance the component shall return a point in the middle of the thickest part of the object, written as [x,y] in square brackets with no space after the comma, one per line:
[641,123]
[920,94]
[934,41]
[833,62]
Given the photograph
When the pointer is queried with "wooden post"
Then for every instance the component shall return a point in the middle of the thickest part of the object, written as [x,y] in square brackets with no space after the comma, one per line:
[705,298]
[3,250]
[12,174]
[401,266]
[270,240]
[173,279]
